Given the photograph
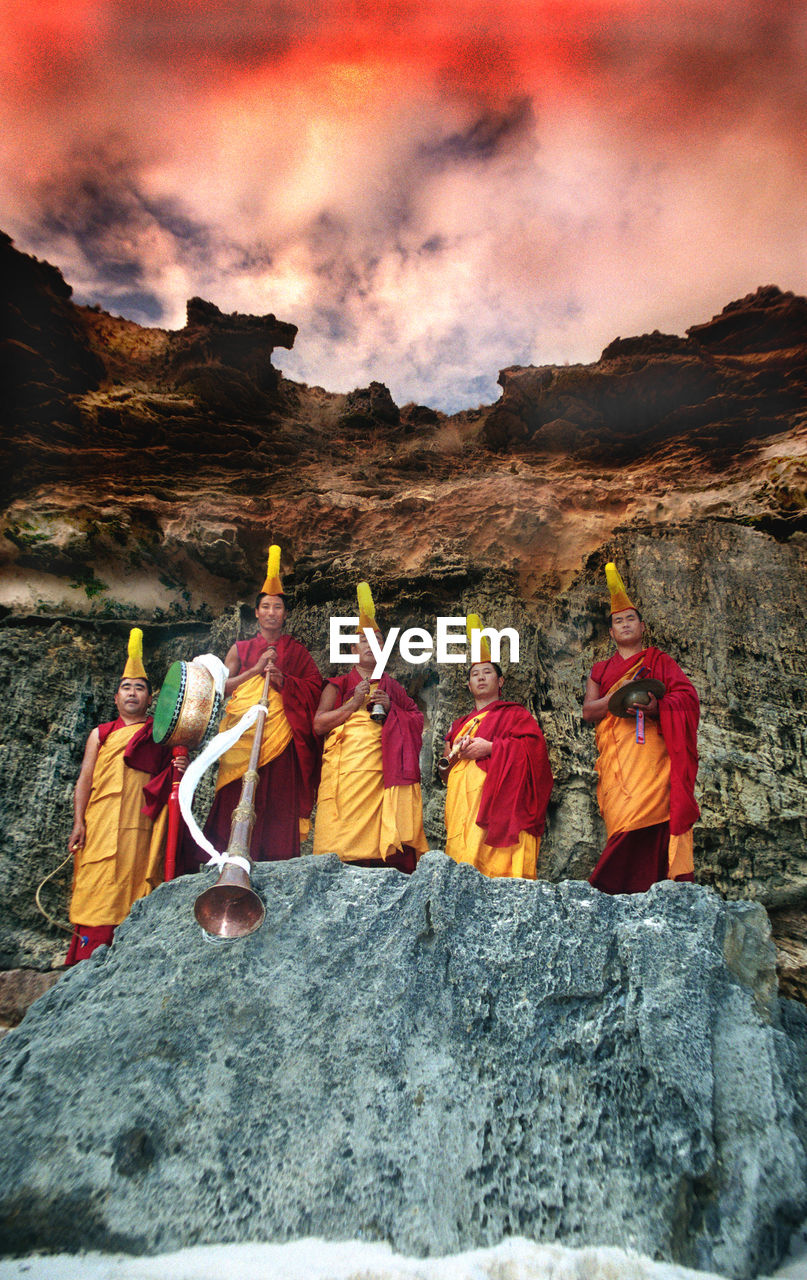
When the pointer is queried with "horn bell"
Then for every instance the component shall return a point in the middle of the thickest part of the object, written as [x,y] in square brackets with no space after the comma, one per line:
[230,908]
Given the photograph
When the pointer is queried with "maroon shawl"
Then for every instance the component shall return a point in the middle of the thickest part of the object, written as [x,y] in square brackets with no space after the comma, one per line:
[143,753]
[679,712]
[401,733]
[519,780]
[300,694]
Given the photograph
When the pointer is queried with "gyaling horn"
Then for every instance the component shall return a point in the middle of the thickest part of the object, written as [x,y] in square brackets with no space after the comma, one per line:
[231,908]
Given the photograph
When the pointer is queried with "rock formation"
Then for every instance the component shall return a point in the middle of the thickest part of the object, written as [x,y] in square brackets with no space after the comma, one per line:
[729,381]
[148,489]
[437,1061]
[225,361]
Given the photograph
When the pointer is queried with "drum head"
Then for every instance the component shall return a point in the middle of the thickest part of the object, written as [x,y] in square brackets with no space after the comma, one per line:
[169,703]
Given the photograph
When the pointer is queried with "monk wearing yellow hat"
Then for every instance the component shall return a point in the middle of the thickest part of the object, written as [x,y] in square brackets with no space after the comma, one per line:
[369,808]
[118,836]
[647,764]
[498,778]
[290,756]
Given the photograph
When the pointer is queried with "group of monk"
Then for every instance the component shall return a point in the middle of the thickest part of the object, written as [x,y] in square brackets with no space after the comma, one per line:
[352,744]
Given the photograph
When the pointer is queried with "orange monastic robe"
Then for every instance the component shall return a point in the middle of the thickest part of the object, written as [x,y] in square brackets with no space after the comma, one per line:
[633,788]
[289,763]
[357,816]
[122,859]
[465,841]
[276,734]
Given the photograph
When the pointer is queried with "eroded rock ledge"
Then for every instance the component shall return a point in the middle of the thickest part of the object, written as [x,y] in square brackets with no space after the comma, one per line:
[438,1062]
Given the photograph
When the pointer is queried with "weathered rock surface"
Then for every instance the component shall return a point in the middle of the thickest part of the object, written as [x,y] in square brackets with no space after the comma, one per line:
[789,926]
[149,495]
[19,988]
[437,1061]
[225,360]
[45,361]
[730,380]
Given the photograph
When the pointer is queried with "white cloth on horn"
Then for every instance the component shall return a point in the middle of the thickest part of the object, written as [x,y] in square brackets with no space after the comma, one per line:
[214,750]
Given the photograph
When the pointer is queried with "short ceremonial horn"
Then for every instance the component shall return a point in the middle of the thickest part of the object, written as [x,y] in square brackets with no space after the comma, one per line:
[231,908]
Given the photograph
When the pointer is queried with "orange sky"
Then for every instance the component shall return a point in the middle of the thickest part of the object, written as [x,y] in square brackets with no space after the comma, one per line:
[430,191]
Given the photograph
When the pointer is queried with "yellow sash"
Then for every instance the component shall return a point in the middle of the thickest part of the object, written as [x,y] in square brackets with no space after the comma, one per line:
[122,859]
[465,841]
[276,734]
[633,790]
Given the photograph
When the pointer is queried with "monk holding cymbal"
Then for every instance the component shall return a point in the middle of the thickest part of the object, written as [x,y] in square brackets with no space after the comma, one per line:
[646,712]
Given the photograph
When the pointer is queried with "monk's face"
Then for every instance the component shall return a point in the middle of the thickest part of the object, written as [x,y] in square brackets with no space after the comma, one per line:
[365,653]
[271,614]
[133,697]
[626,627]
[484,681]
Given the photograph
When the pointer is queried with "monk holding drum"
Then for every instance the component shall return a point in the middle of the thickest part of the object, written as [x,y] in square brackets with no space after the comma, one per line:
[118,836]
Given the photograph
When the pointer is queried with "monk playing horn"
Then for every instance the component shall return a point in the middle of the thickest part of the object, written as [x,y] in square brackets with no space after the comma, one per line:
[648,756]
[118,836]
[498,779]
[290,754]
[369,807]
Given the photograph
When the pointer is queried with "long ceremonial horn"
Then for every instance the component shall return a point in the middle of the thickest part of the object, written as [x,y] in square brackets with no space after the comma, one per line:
[230,908]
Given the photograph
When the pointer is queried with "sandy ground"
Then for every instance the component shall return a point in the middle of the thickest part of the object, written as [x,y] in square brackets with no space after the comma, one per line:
[354,1260]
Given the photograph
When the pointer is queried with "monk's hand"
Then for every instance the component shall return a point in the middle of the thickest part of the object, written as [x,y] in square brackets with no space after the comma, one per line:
[276,676]
[180,763]
[650,708]
[476,749]
[77,836]
[360,693]
[380,699]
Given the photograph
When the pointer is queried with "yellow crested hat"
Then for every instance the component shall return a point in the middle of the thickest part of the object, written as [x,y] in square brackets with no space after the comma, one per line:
[134,669]
[619,596]
[366,607]
[473,623]
[272,585]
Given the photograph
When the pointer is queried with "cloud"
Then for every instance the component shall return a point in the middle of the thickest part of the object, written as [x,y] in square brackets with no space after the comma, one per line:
[429,193]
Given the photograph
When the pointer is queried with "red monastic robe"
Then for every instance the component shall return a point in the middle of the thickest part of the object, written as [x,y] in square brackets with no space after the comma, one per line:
[122,859]
[287,785]
[519,780]
[369,807]
[401,732]
[513,799]
[648,839]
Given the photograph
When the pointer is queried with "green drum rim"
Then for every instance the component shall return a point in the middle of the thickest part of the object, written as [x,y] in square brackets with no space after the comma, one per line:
[169,703]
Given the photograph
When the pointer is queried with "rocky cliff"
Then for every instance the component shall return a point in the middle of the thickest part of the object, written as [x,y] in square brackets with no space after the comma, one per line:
[145,472]
[438,1061]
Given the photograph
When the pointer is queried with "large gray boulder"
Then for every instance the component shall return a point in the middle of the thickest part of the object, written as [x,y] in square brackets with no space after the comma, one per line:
[438,1061]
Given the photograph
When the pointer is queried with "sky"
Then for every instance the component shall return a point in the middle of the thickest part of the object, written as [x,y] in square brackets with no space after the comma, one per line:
[431,190]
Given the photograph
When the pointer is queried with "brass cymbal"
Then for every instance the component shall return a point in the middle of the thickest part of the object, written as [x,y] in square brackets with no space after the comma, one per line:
[635,694]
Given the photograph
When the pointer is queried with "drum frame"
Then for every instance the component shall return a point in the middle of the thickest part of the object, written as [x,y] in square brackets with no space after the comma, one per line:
[194,711]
